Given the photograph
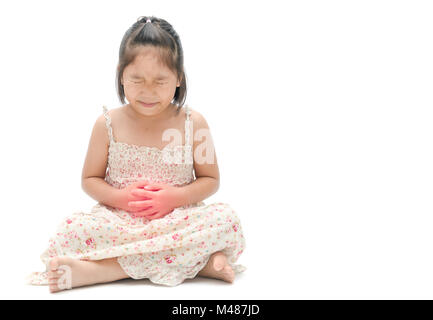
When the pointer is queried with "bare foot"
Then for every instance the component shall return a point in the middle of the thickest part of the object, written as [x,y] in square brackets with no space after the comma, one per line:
[218,268]
[67,273]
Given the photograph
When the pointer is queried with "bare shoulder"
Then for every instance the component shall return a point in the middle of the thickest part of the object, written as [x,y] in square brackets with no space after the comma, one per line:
[101,117]
[199,121]
[112,113]
[100,128]
[116,113]
[97,152]
[204,165]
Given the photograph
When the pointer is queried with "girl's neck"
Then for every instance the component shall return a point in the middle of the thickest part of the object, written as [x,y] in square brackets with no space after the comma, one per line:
[163,116]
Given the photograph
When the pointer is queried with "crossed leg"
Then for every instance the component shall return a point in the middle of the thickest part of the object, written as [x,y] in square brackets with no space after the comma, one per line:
[66,273]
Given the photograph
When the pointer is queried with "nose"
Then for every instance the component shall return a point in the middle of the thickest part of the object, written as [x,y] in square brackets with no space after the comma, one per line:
[145,89]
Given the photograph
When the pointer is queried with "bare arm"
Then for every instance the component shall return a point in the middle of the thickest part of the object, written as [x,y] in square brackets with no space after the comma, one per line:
[205,165]
[200,189]
[98,189]
[95,164]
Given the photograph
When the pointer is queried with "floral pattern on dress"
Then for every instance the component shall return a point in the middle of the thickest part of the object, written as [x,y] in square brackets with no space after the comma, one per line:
[167,250]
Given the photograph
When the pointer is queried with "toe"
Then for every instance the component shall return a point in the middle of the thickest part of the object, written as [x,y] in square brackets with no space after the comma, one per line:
[54,274]
[53,279]
[229,273]
[54,264]
[219,262]
[54,288]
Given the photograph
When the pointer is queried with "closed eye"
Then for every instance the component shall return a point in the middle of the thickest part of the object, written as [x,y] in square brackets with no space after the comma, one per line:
[134,81]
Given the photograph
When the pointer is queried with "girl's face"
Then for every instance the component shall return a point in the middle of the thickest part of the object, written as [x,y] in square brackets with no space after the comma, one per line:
[147,81]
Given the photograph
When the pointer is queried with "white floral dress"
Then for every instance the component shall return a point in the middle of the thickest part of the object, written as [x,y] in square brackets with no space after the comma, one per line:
[167,250]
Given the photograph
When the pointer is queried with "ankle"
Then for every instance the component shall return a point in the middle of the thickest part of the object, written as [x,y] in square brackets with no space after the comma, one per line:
[92,271]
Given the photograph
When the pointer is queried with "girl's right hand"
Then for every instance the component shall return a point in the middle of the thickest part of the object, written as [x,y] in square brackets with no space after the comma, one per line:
[124,196]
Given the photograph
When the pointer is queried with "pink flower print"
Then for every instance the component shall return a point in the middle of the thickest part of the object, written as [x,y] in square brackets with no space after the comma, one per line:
[169,259]
[90,241]
[186,218]
[176,236]
[235,227]
[202,245]
[69,221]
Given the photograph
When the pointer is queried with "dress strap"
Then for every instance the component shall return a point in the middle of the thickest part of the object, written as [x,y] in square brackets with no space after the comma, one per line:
[187,126]
[108,123]
[189,159]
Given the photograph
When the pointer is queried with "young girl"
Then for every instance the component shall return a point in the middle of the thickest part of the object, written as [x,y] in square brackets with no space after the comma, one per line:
[150,220]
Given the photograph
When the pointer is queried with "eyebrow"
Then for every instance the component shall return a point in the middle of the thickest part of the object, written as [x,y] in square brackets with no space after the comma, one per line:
[159,77]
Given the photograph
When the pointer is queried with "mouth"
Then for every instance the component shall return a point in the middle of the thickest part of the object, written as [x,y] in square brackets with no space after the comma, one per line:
[147,105]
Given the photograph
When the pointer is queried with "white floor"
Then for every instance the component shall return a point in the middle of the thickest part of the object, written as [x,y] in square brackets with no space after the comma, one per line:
[304,256]
[274,274]
[198,288]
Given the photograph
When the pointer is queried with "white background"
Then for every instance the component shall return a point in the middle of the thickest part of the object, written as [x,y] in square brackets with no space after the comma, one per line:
[321,113]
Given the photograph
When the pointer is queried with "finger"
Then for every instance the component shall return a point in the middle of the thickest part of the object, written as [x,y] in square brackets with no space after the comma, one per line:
[138,210]
[154,215]
[145,203]
[153,187]
[142,213]
[141,183]
[142,193]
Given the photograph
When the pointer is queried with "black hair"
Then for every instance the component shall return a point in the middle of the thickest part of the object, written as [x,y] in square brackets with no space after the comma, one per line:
[160,34]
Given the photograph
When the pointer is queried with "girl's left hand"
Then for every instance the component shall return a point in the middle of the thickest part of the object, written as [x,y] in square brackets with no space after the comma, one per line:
[163,199]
